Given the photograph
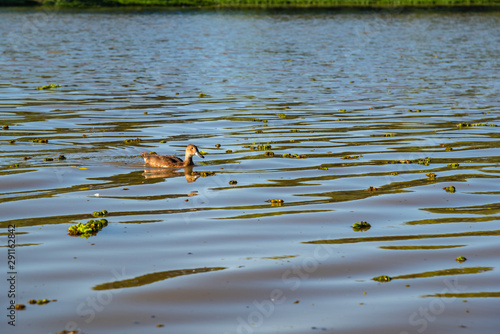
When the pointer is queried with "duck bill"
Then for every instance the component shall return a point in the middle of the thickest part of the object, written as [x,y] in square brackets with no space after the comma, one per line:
[199,154]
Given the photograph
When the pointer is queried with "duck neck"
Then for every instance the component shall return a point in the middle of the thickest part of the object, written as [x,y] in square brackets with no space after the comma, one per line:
[188,160]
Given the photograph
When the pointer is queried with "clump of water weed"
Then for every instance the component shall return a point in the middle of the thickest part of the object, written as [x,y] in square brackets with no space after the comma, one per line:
[12,141]
[281,115]
[450,189]
[276,202]
[454,165]
[269,154]
[261,147]
[294,156]
[39,301]
[88,229]
[323,168]
[425,161]
[416,110]
[20,307]
[202,95]
[383,278]
[61,157]
[48,159]
[431,176]
[394,173]
[361,226]
[371,189]
[350,157]
[204,173]
[461,259]
[448,149]
[465,124]
[217,145]
[229,151]
[49,86]
[5,127]
[133,141]
[39,140]
[101,213]
[233,182]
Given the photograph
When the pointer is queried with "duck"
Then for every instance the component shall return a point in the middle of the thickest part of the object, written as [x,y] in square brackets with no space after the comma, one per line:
[172,161]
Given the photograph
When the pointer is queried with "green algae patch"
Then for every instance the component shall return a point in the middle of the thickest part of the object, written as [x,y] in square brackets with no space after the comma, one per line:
[361,226]
[204,173]
[461,259]
[323,168]
[49,86]
[450,189]
[88,229]
[101,213]
[431,176]
[133,141]
[276,202]
[382,279]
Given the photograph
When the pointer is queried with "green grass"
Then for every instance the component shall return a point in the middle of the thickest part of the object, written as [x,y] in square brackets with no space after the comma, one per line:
[261,3]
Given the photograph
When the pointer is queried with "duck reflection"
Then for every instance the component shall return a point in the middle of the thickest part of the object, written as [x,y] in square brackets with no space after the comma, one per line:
[152,173]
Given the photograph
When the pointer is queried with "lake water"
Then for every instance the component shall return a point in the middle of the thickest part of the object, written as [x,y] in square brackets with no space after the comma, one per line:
[358,100]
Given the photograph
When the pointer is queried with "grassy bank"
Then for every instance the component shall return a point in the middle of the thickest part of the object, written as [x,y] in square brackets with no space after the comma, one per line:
[261,3]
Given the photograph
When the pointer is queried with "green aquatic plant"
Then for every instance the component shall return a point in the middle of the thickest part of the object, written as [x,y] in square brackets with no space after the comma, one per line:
[61,157]
[153,153]
[323,168]
[431,176]
[39,301]
[20,307]
[371,189]
[416,110]
[133,141]
[276,202]
[5,127]
[361,226]
[294,156]
[217,145]
[394,173]
[465,124]
[450,189]
[350,157]
[101,213]
[88,229]
[49,86]
[425,161]
[342,110]
[39,140]
[12,141]
[383,278]
[48,159]
[229,151]
[206,173]
[269,154]
[282,115]
[202,95]
[461,259]
[233,182]
[454,165]
[259,131]
[163,141]
[448,148]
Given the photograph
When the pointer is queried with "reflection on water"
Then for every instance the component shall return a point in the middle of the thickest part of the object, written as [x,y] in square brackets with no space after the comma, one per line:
[346,117]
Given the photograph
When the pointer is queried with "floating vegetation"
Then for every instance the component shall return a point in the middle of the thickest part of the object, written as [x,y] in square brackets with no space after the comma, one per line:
[371,189]
[39,301]
[163,141]
[101,213]
[394,173]
[20,307]
[431,176]
[203,152]
[153,153]
[461,259]
[425,161]
[361,226]
[448,148]
[282,115]
[294,130]
[342,110]
[232,182]
[49,86]
[269,154]
[133,141]
[259,120]
[416,110]
[217,145]
[382,278]
[261,147]
[229,151]
[259,131]
[450,189]
[202,95]
[465,124]
[39,140]
[88,229]
[276,202]
[323,168]
[294,156]
[61,157]
[15,165]
[350,157]
[12,141]
[5,127]
[454,165]
[204,173]
[48,159]
[384,135]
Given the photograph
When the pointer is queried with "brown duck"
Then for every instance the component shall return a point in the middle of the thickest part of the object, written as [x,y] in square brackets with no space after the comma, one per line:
[156,160]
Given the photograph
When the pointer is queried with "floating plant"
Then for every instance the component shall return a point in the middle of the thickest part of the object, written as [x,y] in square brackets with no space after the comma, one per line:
[454,165]
[202,95]
[101,213]
[88,229]
[323,168]
[61,157]
[39,140]
[394,173]
[465,124]
[431,176]
[349,157]
[229,151]
[12,141]
[49,86]
[269,154]
[416,110]
[371,189]
[39,301]
[233,182]
[217,145]
[5,127]
[48,159]
[294,156]
[448,148]
[132,141]
[361,226]
[461,259]
[282,115]
[204,173]
[450,189]
[382,278]
[20,307]
[276,202]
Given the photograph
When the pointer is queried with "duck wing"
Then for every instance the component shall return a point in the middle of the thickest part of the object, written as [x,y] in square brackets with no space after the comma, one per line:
[161,160]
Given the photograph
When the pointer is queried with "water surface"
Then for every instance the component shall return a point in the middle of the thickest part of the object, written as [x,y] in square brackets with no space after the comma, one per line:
[365,97]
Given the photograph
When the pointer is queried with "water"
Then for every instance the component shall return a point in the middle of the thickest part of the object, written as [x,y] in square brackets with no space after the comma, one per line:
[199,255]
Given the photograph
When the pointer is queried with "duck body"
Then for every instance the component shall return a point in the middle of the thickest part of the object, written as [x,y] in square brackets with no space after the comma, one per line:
[172,161]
